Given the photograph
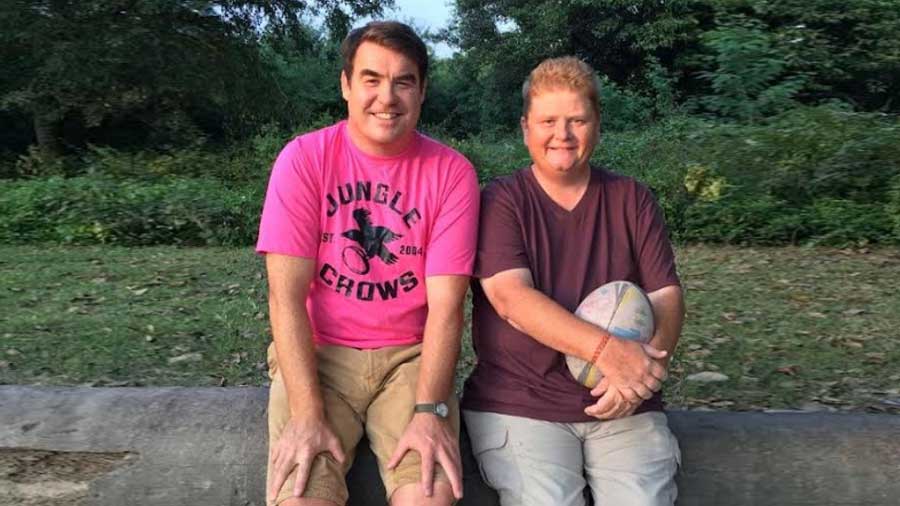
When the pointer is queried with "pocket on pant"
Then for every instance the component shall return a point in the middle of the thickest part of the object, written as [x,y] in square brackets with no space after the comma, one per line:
[488,445]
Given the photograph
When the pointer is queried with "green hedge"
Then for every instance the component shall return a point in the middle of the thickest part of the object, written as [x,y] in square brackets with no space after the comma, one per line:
[103,210]
[819,175]
[812,175]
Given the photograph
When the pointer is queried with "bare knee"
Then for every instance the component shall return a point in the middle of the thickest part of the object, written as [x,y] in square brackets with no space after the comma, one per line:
[413,495]
[307,501]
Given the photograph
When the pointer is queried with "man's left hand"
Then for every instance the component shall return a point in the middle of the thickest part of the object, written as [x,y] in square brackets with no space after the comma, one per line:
[434,440]
[612,403]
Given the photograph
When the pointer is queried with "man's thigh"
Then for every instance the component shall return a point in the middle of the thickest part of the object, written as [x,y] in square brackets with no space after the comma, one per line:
[632,461]
[391,411]
[327,477]
[528,462]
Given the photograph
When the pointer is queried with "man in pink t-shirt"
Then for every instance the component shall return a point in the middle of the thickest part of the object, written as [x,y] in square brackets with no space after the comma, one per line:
[369,231]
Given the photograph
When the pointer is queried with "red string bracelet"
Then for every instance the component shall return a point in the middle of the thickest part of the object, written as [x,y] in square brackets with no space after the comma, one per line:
[604,339]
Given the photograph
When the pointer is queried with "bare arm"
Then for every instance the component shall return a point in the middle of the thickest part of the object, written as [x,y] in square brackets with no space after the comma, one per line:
[443,332]
[307,433]
[668,312]
[627,364]
[427,434]
[289,280]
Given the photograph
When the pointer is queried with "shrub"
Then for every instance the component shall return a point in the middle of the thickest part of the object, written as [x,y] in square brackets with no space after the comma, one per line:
[101,210]
[493,157]
[893,208]
[752,219]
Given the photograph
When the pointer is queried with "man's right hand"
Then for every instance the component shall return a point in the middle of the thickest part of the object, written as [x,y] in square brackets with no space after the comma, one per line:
[633,368]
[301,441]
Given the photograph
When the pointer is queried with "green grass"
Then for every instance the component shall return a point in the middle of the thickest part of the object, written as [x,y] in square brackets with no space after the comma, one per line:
[793,328]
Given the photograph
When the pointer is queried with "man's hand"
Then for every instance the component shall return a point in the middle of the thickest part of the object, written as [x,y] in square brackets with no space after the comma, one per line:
[632,368]
[433,439]
[300,442]
[611,404]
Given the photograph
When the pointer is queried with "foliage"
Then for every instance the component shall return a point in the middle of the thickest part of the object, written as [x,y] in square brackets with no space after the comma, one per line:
[161,71]
[812,175]
[502,41]
[100,210]
[497,157]
[811,50]
[893,209]
[820,175]
[747,72]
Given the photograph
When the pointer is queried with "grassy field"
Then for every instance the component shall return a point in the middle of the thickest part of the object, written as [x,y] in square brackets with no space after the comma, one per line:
[790,328]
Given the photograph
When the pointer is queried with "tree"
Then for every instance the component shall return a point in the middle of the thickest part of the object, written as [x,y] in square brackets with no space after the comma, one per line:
[171,67]
[818,50]
[503,40]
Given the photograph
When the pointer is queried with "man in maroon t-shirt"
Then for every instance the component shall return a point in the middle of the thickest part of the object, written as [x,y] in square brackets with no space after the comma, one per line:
[550,234]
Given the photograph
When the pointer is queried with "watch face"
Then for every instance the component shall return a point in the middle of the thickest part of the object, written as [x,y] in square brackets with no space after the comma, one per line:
[441,410]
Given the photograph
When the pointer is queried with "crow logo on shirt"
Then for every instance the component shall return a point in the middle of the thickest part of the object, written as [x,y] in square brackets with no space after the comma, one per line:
[371,239]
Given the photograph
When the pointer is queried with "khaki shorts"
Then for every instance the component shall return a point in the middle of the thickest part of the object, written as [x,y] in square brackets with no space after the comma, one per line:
[363,390]
[629,461]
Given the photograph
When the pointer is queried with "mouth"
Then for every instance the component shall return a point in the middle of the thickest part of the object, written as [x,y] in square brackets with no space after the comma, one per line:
[386,115]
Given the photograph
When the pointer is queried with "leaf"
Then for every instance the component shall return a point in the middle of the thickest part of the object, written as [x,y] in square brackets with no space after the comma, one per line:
[707,377]
[139,291]
[875,358]
[187,357]
[790,370]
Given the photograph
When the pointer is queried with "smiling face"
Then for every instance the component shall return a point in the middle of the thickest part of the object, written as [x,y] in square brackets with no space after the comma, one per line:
[560,130]
[384,98]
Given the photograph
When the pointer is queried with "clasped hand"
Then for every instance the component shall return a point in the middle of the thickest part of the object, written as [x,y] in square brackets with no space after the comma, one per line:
[632,372]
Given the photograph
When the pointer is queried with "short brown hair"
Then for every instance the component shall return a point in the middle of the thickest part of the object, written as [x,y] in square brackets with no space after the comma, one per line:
[392,35]
[567,73]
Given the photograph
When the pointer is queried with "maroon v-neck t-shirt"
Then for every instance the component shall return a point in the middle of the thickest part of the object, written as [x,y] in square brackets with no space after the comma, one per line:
[615,232]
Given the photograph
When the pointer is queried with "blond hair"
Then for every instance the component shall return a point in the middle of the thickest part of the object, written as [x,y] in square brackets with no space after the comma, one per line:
[563,73]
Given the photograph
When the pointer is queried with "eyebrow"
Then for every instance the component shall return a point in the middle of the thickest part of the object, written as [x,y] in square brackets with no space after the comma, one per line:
[403,77]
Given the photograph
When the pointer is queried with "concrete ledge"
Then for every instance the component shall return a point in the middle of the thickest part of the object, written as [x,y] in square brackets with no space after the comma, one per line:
[206,446]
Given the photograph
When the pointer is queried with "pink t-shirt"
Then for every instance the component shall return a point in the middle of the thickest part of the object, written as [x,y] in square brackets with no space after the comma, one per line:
[377,227]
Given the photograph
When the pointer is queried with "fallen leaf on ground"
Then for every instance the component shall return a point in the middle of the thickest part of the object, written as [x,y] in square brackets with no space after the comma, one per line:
[707,377]
[187,357]
[790,370]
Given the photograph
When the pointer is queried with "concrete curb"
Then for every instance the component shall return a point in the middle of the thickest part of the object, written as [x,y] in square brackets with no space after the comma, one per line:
[206,446]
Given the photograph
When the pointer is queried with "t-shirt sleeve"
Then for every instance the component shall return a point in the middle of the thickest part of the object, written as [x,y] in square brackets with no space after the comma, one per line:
[656,260]
[500,243]
[290,216]
[451,244]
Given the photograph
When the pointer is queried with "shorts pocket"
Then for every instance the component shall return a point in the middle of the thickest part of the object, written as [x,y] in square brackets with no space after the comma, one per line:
[488,446]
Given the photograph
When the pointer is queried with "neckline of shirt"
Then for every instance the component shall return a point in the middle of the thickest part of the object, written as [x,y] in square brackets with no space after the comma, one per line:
[578,210]
[410,150]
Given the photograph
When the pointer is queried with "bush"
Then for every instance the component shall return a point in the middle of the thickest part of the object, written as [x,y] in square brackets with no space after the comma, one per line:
[822,175]
[813,175]
[893,208]
[101,210]
[493,157]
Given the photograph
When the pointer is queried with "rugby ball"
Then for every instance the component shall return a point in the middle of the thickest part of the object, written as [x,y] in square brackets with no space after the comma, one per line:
[623,310]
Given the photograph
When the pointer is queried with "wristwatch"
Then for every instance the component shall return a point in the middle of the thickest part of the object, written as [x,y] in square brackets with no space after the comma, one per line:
[438,408]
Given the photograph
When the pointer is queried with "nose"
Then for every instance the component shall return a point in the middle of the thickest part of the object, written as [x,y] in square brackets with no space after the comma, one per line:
[386,93]
[562,130]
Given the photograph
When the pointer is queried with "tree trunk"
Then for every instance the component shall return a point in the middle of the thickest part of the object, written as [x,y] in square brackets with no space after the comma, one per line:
[47,131]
